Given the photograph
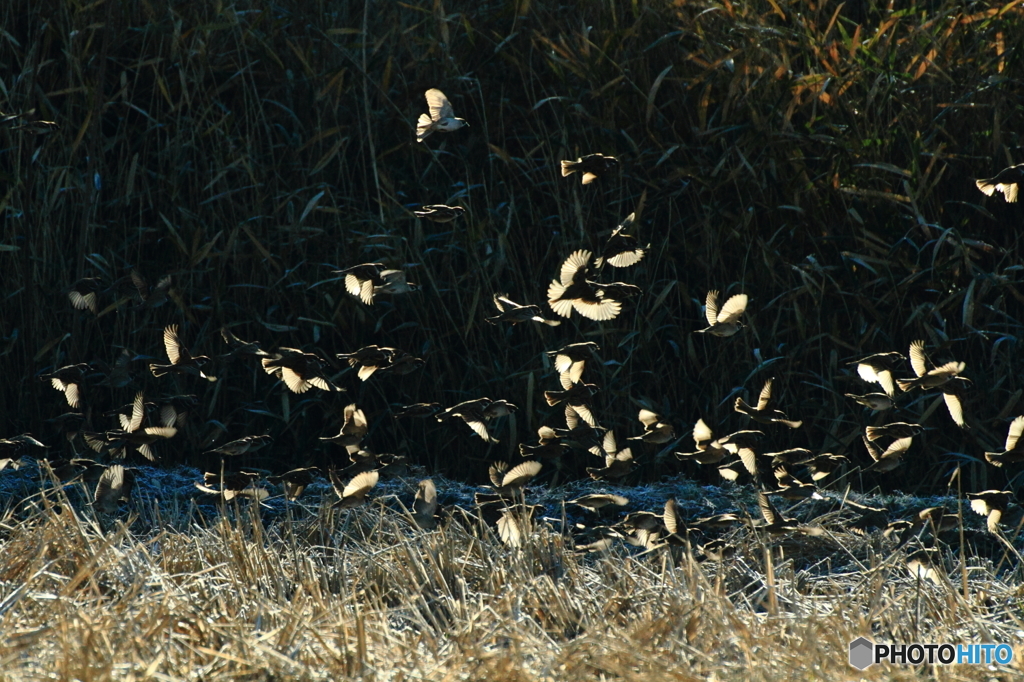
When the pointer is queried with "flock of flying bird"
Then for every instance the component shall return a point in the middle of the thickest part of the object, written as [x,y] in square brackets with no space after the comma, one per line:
[793,474]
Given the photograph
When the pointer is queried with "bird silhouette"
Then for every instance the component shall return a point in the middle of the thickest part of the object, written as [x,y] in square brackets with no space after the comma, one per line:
[441,118]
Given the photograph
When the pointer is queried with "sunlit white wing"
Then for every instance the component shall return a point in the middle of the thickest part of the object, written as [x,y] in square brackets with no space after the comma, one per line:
[562,307]
[172,344]
[601,311]
[138,413]
[732,309]
[572,264]
[439,105]
[295,382]
[711,307]
[521,474]
[1014,434]
[702,434]
[766,396]
[956,410]
[360,484]
[627,258]
[918,359]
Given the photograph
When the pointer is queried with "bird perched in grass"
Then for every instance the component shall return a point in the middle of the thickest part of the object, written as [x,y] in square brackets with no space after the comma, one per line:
[1006,181]
[928,376]
[439,213]
[182,362]
[572,291]
[514,313]
[724,321]
[590,166]
[1013,450]
[621,250]
[441,117]
[762,412]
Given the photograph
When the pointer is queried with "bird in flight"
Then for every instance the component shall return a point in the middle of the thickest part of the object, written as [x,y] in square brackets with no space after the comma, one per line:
[441,117]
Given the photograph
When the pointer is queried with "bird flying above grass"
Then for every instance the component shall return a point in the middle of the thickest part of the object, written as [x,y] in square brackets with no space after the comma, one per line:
[441,117]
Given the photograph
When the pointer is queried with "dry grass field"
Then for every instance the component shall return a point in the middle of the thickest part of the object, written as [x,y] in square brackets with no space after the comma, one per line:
[212,165]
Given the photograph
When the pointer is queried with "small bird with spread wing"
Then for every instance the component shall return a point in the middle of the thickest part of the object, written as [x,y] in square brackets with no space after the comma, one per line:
[762,413]
[441,118]
[182,362]
[724,321]
[590,166]
[572,291]
[1007,181]
[514,313]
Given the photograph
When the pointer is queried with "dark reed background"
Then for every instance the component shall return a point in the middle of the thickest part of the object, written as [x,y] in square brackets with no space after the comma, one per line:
[817,156]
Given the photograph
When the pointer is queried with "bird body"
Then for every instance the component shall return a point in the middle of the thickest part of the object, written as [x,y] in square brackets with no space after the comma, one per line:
[879,402]
[723,322]
[1013,450]
[590,166]
[655,430]
[182,362]
[510,311]
[441,118]
[439,213]
[571,291]
[878,369]
[762,413]
[247,444]
[476,413]
[1007,181]
[353,428]
[572,359]
[621,250]
[299,370]
[928,376]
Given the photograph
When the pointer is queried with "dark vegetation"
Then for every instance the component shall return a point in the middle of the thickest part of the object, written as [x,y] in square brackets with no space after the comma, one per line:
[819,157]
